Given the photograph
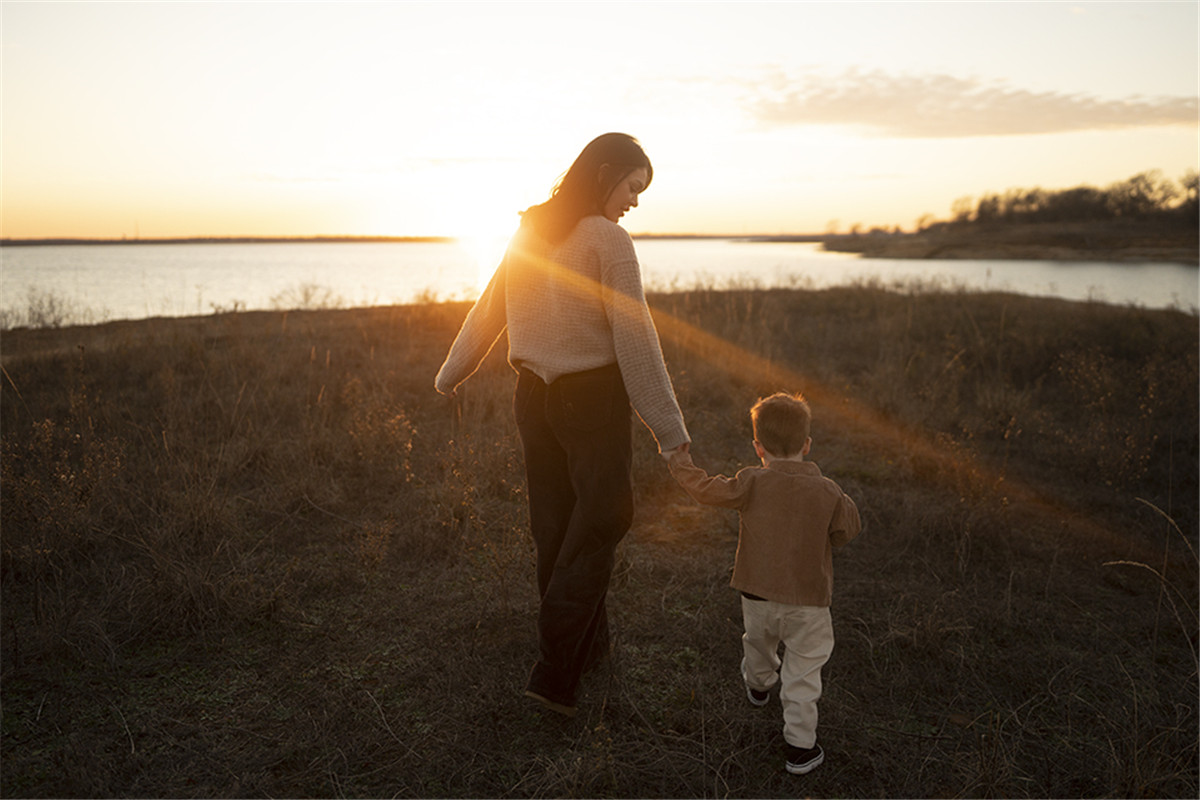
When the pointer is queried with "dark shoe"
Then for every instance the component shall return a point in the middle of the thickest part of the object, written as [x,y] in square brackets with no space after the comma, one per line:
[757,698]
[804,759]
[565,710]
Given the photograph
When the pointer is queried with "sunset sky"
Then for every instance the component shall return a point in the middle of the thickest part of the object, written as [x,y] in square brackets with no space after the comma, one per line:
[391,118]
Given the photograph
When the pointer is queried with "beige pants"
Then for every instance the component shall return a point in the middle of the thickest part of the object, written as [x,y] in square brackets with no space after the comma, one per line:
[807,635]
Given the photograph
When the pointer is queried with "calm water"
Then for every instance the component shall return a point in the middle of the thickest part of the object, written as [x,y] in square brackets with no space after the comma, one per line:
[108,282]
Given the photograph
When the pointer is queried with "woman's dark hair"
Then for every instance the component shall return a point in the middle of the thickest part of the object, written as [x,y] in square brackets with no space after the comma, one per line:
[585,187]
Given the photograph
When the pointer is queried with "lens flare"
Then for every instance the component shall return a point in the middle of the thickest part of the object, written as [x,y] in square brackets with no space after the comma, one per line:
[950,464]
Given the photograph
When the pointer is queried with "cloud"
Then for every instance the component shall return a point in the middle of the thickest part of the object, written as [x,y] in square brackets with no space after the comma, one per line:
[943,106]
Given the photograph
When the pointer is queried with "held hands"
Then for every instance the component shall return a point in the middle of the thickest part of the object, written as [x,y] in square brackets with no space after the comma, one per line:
[683,448]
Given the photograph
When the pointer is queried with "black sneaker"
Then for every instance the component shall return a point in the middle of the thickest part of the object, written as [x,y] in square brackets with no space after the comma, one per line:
[804,759]
[756,697]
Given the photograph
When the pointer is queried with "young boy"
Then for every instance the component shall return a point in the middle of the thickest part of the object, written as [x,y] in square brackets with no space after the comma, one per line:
[791,519]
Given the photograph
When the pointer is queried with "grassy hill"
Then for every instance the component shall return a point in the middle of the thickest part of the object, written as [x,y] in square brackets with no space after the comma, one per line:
[256,554]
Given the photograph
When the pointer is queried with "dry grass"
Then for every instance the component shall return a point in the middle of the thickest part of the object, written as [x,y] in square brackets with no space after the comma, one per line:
[256,554]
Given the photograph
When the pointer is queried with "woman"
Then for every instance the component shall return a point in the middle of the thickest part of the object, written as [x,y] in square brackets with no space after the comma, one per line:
[569,291]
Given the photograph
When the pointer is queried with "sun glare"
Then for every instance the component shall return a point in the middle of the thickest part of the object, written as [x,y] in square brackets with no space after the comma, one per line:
[485,248]
[481,216]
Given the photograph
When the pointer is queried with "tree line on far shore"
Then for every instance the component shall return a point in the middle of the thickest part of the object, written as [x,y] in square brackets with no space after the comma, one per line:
[1147,196]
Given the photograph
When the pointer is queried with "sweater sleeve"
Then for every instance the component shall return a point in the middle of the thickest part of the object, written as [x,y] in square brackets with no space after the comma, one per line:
[635,340]
[711,490]
[478,335]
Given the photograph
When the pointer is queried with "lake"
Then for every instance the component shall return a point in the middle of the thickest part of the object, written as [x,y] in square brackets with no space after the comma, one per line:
[94,283]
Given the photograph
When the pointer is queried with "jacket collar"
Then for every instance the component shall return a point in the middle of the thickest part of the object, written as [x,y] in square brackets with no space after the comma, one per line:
[796,467]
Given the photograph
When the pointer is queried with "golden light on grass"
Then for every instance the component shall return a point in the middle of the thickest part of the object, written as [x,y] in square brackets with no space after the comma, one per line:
[953,465]
[175,483]
[956,466]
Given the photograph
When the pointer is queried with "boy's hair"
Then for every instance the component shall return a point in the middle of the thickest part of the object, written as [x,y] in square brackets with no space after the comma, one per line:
[782,423]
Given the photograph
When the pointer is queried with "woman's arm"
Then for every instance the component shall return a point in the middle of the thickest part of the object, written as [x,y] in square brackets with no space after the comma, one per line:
[635,340]
[478,335]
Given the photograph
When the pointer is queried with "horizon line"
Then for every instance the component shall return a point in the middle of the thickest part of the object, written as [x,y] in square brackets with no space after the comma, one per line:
[89,240]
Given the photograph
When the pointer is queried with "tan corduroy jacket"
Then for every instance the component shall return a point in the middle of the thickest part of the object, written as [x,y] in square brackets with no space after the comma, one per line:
[791,519]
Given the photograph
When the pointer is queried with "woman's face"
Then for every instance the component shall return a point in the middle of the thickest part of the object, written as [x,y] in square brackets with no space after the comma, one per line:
[624,195]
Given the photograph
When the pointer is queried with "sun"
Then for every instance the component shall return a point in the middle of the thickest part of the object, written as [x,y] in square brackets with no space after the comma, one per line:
[485,247]
[482,222]
[474,201]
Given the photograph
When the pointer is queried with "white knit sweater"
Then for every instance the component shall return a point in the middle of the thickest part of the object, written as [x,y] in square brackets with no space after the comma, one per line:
[571,307]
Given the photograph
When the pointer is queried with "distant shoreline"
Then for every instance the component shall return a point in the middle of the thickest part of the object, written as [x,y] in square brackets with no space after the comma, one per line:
[223,240]
[1114,242]
[1127,241]
[60,241]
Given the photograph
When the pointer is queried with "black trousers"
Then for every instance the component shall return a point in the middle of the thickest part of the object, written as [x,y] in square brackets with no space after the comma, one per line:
[577,438]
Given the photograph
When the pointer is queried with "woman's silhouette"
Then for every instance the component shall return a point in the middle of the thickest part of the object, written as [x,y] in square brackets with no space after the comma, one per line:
[569,291]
